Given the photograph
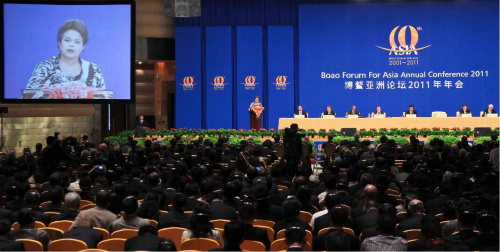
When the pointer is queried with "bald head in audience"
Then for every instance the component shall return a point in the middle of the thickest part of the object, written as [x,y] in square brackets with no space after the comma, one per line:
[370,193]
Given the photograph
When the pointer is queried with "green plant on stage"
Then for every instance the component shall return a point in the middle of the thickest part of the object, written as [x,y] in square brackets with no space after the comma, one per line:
[467,131]
[480,140]
[494,132]
[401,141]
[448,140]
[338,139]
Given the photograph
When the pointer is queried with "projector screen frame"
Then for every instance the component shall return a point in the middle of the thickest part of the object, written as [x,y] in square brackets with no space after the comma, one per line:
[131,99]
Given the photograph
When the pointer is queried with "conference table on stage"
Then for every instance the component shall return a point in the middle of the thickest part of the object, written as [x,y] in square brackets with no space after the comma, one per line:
[392,122]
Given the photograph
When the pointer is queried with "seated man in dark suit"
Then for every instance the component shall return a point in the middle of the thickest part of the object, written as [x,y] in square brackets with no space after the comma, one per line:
[72,203]
[329,111]
[464,110]
[416,211]
[5,244]
[246,215]
[466,238]
[32,200]
[337,241]
[295,238]
[368,219]
[489,110]
[219,210]
[291,209]
[353,111]
[432,236]
[384,209]
[486,239]
[378,111]
[56,196]
[146,240]
[86,234]
[301,112]
[176,217]
[192,191]
[338,218]
[27,229]
[411,111]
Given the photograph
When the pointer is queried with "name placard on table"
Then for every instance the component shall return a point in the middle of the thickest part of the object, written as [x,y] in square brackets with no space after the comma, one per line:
[411,116]
[492,115]
[352,116]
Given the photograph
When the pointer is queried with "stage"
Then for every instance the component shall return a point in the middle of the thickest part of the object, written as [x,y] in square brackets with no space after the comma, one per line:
[394,122]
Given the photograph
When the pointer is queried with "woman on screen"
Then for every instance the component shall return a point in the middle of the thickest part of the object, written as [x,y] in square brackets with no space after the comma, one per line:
[67,71]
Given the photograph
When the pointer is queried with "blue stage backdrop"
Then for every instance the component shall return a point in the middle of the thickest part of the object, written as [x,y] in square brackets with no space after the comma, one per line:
[281,76]
[188,81]
[249,72]
[435,55]
[219,78]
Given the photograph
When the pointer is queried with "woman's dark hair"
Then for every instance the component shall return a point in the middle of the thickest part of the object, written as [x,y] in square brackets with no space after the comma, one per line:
[200,222]
[73,24]
[337,241]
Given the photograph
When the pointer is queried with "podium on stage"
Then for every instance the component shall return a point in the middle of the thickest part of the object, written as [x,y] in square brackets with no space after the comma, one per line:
[256,117]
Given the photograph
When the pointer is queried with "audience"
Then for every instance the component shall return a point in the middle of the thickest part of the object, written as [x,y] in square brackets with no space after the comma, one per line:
[162,181]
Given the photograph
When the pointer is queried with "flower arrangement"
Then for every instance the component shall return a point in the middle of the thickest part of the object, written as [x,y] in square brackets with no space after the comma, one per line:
[71,90]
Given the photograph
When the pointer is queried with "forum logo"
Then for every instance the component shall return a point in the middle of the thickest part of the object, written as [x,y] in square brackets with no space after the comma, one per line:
[250,83]
[219,83]
[281,82]
[404,48]
[188,83]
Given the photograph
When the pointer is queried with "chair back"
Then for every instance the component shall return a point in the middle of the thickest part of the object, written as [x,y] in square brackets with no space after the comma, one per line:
[113,244]
[89,206]
[38,225]
[219,223]
[201,244]
[174,234]
[305,216]
[153,223]
[31,245]
[248,245]
[348,209]
[280,245]
[52,215]
[266,223]
[67,244]
[54,233]
[62,225]
[270,232]
[413,234]
[125,233]
[84,203]
[103,232]
[44,204]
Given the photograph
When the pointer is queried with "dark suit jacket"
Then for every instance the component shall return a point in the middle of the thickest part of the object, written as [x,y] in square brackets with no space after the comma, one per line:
[294,249]
[303,113]
[486,112]
[5,214]
[381,112]
[85,234]
[486,242]
[319,241]
[8,245]
[366,221]
[420,246]
[351,113]
[464,240]
[321,222]
[268,212]
[461,111]
[219,210]
[411,223]
[257,234]
[143,124]
[147,242]
[331,113]
[191,204]
[407,112]
[435,206]
[174,218]
[68,215]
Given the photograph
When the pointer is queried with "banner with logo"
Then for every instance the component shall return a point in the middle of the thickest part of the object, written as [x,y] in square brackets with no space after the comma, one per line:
[434,55]
[248,71]
[188,81]
[280,74]
[219,78]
